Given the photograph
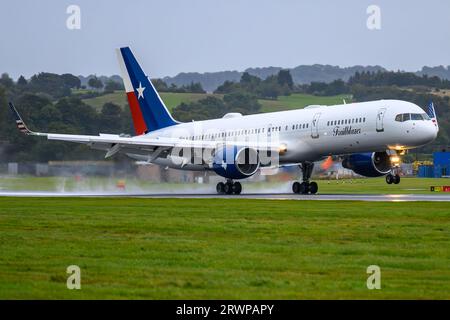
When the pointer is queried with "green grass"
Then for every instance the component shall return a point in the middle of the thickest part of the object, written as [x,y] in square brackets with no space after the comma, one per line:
[170,99]
[379,186]
[298,101]
[352,186]
[222,249]
[118,97]
[294,101]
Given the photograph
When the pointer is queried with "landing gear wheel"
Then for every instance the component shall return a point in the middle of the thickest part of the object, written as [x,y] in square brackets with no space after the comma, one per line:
[220,188]
[237,188]
[304,188]
[390,179]
[228,188]
[313,188]
[396,179]
[296,187]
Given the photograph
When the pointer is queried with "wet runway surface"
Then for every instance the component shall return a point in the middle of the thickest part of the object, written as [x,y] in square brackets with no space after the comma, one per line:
[268,196]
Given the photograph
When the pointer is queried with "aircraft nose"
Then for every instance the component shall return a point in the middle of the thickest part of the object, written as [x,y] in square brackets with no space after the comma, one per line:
[430,131]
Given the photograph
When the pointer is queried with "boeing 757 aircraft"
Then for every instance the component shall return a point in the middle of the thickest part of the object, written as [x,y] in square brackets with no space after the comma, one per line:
[368,136]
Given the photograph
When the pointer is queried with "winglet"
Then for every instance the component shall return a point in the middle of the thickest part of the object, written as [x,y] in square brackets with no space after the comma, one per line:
[432,114]
[19,122]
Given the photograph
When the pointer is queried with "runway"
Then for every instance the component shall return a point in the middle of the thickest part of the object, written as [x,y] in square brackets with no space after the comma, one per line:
[261,196]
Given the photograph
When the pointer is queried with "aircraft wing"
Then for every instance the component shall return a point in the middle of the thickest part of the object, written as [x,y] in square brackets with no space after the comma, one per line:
[114,143]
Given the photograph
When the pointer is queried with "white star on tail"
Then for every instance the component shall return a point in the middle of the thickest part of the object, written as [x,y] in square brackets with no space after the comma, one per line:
[140,91]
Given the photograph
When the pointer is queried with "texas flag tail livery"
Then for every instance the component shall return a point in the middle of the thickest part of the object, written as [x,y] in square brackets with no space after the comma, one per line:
[147,109]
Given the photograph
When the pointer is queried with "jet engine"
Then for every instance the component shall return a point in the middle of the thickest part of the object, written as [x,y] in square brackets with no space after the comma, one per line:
[373,164]
[234,162]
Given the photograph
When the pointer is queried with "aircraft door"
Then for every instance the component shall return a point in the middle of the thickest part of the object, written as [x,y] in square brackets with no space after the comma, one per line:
[380,118]
[315,126]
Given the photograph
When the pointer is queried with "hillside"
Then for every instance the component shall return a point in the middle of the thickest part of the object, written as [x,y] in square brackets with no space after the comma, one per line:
[294,101]
[299,100]
[170,99]
[302,74]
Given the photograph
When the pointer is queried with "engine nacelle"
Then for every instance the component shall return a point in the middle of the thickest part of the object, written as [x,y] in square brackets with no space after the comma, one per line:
[234,162]
[373,164]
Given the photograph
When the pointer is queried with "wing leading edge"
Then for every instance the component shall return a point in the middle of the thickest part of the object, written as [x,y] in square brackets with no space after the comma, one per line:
[114,143]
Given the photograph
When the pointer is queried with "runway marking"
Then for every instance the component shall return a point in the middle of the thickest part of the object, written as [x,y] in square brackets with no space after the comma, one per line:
[260,196]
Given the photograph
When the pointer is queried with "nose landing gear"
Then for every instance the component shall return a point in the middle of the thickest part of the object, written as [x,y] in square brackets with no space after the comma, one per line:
[393,177]
[305,186]
[229,187]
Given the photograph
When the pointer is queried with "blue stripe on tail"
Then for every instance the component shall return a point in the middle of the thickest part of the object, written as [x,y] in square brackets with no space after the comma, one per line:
[431,112]
[155,113]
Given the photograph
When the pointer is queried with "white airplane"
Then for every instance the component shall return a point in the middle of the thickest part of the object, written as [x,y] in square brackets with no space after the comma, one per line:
[370,136]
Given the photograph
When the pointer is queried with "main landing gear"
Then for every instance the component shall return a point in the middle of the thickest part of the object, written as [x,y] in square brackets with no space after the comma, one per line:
[229,187]
[393,178]
[305,186]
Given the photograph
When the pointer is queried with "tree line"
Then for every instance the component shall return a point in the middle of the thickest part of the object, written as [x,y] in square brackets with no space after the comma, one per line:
[48,103]
[364,86]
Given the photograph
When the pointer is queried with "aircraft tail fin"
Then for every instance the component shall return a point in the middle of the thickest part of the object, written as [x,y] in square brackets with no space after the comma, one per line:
[148,111]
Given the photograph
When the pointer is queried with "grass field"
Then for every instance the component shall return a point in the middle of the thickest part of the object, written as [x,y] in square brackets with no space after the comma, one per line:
[170,99]
[352,186]
[222,249]
[294,101]
[298,101]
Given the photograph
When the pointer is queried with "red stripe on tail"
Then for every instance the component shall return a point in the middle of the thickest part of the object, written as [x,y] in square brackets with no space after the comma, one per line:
[136,114]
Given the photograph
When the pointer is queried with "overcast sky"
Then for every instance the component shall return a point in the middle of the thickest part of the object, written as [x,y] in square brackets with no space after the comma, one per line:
[173,36]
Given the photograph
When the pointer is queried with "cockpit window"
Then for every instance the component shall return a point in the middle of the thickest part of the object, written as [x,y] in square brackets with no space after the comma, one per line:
[411,116]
